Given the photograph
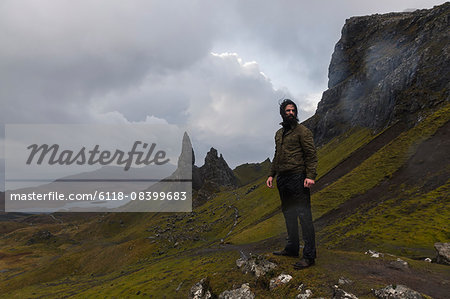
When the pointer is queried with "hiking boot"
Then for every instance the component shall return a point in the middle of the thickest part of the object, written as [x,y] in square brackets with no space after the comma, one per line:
[303,264]
[284,252]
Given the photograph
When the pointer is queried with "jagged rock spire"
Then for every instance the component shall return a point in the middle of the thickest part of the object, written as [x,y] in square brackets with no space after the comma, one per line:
[187,156]
[216,170]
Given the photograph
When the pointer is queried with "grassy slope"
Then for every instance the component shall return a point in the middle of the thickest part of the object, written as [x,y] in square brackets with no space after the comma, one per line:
[251,172]
[414,224]
[406,225]
[110,254]
[339,148]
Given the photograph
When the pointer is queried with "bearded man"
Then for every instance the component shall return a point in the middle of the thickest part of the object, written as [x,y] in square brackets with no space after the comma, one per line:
[294,165]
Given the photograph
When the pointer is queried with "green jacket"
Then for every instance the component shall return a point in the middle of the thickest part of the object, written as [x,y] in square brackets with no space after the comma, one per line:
[294,152]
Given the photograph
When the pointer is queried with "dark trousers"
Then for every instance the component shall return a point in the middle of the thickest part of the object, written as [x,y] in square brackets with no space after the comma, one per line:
[296,203]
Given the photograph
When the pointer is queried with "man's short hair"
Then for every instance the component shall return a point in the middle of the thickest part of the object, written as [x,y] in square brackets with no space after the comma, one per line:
[283,105]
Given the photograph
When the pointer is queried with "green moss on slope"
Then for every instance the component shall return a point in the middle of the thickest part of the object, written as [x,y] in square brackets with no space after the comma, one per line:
[250,172]
[379,166]
[408,225]
[339,148]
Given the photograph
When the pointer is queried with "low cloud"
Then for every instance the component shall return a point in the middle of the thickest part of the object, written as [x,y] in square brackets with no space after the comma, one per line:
[219,67]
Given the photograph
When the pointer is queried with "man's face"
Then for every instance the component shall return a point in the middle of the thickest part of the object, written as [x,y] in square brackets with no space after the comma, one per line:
[290,111]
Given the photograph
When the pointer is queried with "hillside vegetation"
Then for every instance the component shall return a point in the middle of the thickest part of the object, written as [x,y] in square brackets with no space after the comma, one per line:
[133,254]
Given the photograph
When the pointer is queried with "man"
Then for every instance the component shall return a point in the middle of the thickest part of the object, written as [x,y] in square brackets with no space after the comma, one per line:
[295,164]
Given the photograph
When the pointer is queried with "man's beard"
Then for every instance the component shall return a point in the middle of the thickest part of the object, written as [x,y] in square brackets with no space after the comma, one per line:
[289,120]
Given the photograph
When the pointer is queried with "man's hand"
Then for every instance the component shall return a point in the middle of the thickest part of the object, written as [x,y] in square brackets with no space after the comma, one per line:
[308,183]
[269,182]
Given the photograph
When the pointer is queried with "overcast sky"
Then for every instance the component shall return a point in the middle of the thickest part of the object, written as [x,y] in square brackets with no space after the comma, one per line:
[219,67]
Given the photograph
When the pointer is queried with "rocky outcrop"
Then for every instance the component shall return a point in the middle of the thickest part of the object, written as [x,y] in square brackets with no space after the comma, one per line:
[279,280]
[201,290]
[339,293]
[385,68]
[243,292]
[216,170]
[443,253]
[206,180]
[214,174]
[255,264]
[307,294]
[398,264]
[186,159]
[374,254]
[40,237]
[185,166]
[397,292]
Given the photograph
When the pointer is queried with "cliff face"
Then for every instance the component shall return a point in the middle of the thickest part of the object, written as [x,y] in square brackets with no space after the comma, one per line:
[385,68]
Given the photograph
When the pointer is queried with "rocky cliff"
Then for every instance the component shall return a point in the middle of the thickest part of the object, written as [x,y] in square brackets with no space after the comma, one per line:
[213,175]
[216,170]
[384,69]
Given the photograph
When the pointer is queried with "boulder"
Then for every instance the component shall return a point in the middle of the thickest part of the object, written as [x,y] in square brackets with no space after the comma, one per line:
[200,290]
[40,237]
[399,264]
[443,253]
[374,254]
[339,293]
[280,280]
[307,294]
[397,292]
[255,264]
[344,280]
[244,292]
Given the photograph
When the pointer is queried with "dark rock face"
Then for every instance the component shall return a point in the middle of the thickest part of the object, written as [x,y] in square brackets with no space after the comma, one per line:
[185,160]
[207,179]
[186,165]
[385,68]
[216,170]
[211,176]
